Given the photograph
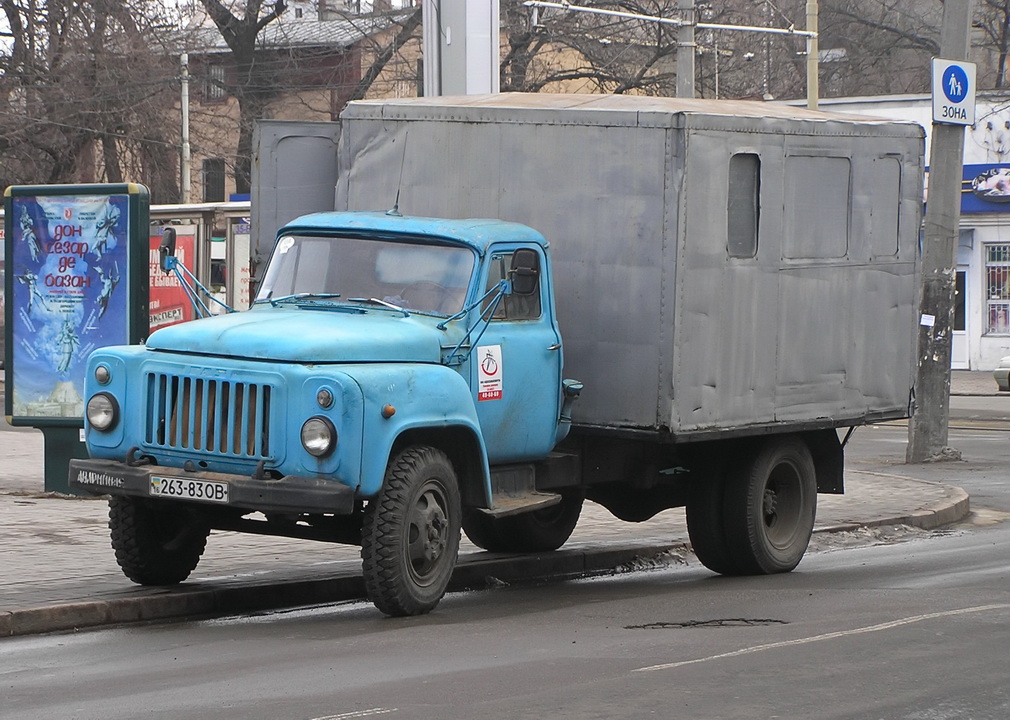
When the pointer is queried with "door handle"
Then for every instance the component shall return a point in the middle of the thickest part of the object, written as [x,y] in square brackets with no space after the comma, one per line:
[555,346]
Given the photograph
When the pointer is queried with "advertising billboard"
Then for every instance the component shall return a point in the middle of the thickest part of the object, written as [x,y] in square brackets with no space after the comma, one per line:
[170,304]
[74,281]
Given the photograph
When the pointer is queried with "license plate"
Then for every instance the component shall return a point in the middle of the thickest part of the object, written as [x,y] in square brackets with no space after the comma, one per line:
[189,489]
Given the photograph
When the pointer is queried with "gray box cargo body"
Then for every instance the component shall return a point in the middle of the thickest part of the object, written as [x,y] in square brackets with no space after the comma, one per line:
[674,323]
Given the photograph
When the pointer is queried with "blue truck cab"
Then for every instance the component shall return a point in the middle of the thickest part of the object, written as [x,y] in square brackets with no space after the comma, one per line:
[395,379]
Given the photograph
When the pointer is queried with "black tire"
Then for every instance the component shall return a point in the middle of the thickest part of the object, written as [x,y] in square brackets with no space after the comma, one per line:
[770,506]
[537,531]
[706,527]
[410,535]
[155,543]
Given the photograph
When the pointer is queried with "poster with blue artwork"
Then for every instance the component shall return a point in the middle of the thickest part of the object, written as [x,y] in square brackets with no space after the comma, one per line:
[68,261]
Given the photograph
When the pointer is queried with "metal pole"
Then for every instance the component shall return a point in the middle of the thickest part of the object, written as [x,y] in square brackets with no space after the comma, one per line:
[431,28]
[187,162]
[813,79]
[685,50]
[766,92]
[928,427]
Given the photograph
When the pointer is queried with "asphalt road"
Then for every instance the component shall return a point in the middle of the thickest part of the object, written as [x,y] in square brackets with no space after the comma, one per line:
[908,631]
[879,627]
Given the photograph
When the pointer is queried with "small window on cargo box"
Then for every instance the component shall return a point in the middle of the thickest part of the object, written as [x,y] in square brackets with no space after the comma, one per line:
[818,198]
[743,205]
[886,193]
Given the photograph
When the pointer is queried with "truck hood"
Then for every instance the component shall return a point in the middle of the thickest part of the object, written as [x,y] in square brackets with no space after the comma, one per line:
[308,336]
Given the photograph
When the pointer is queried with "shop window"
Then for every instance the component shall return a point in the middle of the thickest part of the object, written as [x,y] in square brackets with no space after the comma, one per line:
[997,273]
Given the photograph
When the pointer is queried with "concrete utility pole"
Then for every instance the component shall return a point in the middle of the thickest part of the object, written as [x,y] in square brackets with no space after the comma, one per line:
[813,81]
[186,167]
[685,50]
[928,427]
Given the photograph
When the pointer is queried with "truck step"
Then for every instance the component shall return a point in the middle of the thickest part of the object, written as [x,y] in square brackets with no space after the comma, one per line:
[505,505]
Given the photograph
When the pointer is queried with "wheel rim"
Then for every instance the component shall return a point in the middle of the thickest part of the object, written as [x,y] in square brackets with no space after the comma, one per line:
[782,505]
[428,532]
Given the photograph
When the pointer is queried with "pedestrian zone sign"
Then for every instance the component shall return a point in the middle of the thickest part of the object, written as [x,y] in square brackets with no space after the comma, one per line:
[953,92]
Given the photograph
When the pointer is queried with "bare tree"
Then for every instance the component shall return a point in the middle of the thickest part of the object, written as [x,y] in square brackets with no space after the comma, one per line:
[251,88]
[867,47]
[992,19]
[76,108]
[567,51]
[385,49]
[878,46]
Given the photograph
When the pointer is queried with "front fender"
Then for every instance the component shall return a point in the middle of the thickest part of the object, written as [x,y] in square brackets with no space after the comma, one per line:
[407,397]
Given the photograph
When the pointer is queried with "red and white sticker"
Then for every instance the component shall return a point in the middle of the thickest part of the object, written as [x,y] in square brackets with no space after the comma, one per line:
[489,367]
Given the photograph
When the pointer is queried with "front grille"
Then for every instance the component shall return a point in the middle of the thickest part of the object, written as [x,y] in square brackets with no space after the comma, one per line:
[212,416]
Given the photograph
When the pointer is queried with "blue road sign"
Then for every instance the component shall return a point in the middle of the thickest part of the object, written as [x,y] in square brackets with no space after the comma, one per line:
[953,92]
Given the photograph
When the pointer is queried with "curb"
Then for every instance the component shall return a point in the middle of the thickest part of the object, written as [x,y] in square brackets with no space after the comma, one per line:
[953,508]
[472,573]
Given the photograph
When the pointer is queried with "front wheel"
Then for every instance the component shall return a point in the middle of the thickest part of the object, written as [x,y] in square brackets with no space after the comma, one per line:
[536,531]
[156,543]
[410,535]
[770,504]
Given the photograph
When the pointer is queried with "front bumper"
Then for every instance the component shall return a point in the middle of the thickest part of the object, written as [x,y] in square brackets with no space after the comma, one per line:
[286,495]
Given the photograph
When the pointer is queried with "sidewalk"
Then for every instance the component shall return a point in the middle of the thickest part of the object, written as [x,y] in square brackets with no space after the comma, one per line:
[59,571]
[974,383]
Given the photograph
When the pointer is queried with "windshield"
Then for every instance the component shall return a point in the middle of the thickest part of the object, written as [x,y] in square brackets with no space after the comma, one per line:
[421,278]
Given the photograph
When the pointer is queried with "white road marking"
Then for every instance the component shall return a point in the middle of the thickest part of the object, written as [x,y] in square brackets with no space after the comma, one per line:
[826,636]
[358,714]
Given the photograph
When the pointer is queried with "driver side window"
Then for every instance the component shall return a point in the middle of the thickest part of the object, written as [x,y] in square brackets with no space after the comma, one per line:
[511,307]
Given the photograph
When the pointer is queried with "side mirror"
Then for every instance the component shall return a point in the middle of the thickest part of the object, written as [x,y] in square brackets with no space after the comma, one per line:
[525,272]
[167,248]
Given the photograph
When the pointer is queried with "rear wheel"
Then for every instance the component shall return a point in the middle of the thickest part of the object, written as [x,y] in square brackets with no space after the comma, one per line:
[410,535]
[155,543]
[537,531]
[770,505]
[706,526]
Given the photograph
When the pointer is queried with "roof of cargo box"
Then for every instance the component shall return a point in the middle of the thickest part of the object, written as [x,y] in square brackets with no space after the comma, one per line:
[628,111]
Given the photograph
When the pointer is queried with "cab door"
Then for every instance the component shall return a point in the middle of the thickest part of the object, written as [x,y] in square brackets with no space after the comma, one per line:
[515,366]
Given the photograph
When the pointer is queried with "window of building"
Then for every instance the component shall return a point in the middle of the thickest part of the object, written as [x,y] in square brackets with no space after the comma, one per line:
[213,180]
[743,209]
[997,274]
[213,84]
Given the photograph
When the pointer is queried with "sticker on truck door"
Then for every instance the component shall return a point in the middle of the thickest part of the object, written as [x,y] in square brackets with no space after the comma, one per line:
[489,382]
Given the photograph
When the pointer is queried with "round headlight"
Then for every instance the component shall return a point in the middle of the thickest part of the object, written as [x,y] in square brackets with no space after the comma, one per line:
[324,397]
[319,437]
[103,411]
[103,375]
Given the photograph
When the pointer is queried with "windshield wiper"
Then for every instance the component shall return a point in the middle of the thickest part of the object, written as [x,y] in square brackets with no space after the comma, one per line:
[297,297]
[383,303]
